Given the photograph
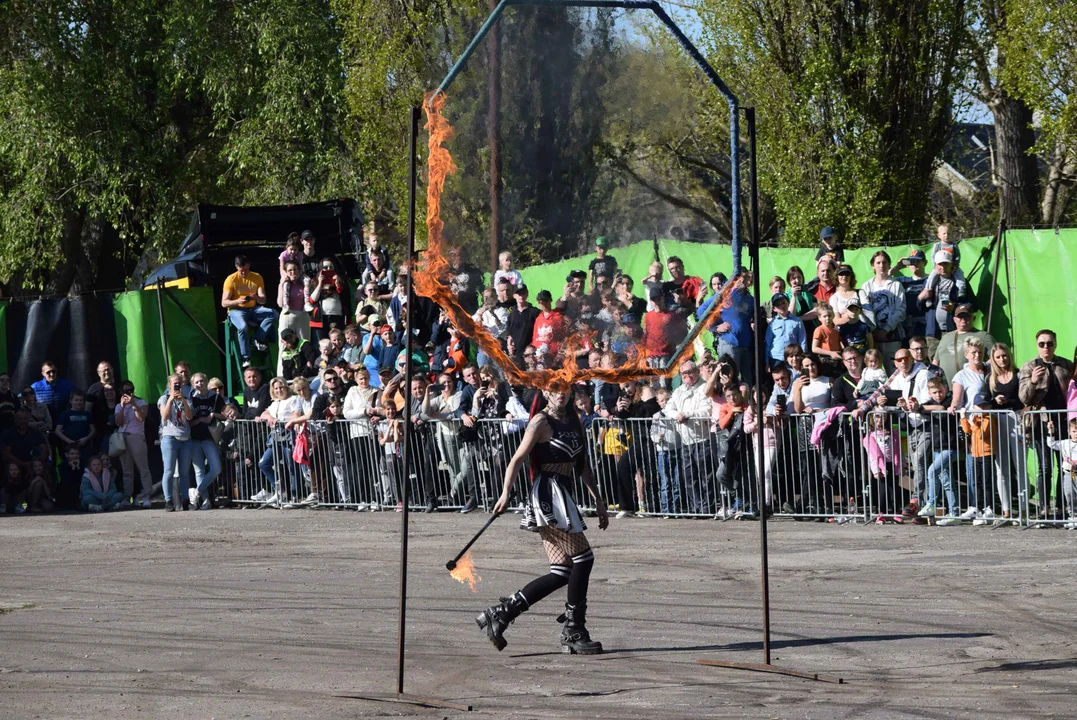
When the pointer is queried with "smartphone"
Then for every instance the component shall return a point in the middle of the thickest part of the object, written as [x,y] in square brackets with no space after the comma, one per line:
[176,387]
[437,387]
[779,400]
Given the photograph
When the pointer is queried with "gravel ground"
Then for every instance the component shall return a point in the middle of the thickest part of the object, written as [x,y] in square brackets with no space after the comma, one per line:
[264,614]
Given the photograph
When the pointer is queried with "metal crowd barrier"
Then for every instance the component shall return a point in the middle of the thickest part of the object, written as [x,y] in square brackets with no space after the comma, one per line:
[886,465]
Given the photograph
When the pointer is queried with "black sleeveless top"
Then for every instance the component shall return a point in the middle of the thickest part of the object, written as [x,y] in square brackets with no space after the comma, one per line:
[568,444]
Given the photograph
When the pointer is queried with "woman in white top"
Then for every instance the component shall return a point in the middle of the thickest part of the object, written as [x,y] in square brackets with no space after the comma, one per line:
[278,448]
[302,409]
[883,302]
[845,293]
[970,383]
[811,394]
[175,435]
[811,391]
[361,412]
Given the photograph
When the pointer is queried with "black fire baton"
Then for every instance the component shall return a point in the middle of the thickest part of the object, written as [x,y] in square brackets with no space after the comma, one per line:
[451,565]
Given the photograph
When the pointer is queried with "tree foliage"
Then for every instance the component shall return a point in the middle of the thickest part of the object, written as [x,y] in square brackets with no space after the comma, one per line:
[119,117]
[554,65]
[1041,70]
[855,100]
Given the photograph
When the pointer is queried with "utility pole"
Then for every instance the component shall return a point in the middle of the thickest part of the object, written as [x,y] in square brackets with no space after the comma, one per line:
[493,130]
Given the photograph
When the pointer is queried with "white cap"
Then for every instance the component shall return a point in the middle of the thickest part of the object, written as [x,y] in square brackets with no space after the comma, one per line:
[943,257]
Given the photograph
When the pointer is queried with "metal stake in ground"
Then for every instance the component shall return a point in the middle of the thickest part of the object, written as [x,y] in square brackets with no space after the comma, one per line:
[451,565]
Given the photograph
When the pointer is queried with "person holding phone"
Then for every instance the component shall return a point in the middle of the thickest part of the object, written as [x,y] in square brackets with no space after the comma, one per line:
[1043,384]
[130,414]
[244,297]
[326,296]
[176,414]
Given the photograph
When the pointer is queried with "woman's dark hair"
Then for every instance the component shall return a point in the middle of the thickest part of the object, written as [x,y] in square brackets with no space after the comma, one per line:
[790,271]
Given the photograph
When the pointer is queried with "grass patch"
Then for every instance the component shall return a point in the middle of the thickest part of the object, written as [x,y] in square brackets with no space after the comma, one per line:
[24,606]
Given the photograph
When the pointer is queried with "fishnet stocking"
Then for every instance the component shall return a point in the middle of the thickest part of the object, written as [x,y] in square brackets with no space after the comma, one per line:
[561,546]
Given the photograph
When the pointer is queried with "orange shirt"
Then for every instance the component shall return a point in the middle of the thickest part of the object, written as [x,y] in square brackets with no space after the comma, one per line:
[828,338]
[979,429]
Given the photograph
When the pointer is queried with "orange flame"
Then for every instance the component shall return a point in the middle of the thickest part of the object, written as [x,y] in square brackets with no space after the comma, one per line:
[465,571]
[429,281]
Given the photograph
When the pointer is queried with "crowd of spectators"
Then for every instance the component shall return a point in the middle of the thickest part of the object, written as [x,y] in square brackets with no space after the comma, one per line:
[901,344]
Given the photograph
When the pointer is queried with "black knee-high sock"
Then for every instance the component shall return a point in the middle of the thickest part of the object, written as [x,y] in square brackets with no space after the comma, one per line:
[540,587]
[581,574]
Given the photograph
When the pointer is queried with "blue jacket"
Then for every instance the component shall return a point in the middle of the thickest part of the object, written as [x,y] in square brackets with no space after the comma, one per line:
[55,396]
[784,331]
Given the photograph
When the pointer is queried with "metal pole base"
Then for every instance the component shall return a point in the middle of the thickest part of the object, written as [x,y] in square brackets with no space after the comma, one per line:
[758,667]
[405,699]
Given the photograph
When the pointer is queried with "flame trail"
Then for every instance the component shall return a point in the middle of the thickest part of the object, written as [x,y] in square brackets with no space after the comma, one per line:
[465,571]
[428,280]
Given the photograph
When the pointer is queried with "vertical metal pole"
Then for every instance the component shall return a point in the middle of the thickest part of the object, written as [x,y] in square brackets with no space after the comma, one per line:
[407,457]
[760,369]
[164,332]
[1000,249]
[493,131]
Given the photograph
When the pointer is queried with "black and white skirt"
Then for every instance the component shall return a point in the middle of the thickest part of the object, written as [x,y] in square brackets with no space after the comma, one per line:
[550,504]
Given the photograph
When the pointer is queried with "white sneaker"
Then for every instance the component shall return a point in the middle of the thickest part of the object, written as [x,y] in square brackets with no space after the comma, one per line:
[949,521]
[969,514]
[312,499]
[1071,523]
[621,515]
[95,508]
[927,510]
[260,496]
[374,507]
[271,499]
[361,507]
[980,520]
[192,497]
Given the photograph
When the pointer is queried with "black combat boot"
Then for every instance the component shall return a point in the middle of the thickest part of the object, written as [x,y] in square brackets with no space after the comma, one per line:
[575,639]
[496,620]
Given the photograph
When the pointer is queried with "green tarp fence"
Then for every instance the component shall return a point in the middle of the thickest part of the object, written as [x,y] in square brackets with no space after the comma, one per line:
[1036,285]
[138,336]
[1036,288]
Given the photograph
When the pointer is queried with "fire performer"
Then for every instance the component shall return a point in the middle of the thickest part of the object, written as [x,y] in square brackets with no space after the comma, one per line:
[556,441]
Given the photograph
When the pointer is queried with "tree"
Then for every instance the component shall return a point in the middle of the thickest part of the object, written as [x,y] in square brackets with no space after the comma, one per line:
[1037,67]
[554,63]
[855,100]
[119,117]
[1016,173]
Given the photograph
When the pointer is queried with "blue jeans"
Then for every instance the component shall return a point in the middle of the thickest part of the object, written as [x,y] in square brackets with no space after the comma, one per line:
[259,318]
[940,470]
[669,485]
[174,450]
[205,452]
[976,472]
[266,465]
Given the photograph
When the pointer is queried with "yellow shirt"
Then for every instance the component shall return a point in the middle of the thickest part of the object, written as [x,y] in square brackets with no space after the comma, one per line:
[236,287]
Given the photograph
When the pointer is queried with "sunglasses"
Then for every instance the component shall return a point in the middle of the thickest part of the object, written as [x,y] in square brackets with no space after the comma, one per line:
[1046,344]
[903,358]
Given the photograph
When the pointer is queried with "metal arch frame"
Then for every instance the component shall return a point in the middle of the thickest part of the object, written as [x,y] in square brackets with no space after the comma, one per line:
[736,247]
[686,44]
